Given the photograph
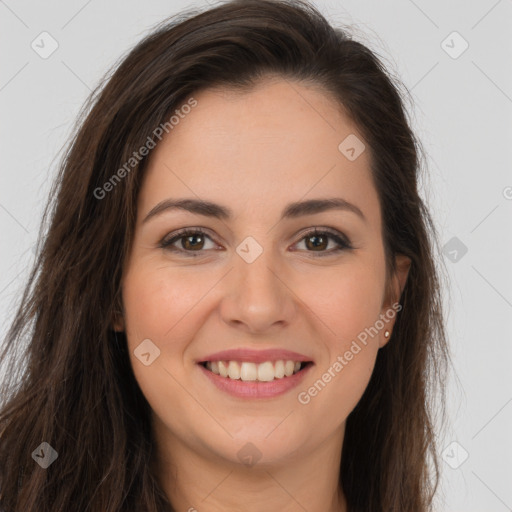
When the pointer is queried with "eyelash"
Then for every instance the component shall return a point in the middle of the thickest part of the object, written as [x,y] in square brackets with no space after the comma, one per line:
[343,242]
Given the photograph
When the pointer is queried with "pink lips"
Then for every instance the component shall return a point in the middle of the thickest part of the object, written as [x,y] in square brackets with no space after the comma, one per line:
[255,356]
[255,389]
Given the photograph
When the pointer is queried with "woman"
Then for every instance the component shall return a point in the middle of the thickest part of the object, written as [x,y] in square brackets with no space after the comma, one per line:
[236,305]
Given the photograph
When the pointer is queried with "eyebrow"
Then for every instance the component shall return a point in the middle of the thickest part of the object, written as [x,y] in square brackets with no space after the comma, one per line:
[291,211]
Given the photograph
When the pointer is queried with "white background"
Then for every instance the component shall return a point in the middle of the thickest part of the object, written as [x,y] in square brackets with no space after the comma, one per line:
[463,116]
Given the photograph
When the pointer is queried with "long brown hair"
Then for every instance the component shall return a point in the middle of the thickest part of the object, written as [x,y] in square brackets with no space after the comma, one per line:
[71,384]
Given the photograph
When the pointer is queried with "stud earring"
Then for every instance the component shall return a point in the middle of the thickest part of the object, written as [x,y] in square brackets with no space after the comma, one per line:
[386,334]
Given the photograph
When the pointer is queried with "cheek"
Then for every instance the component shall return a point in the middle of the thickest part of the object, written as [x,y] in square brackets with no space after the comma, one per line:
[337,391]
[161,309]
[347,300]
[156,304]
[348,303]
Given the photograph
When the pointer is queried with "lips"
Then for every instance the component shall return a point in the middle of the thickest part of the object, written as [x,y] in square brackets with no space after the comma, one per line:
[255,356]
[255,373]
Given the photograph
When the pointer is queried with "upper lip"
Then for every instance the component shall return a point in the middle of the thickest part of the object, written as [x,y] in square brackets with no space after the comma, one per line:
[255,356]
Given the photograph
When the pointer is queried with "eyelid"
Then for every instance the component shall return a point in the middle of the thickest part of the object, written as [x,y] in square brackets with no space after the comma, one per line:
[334,233]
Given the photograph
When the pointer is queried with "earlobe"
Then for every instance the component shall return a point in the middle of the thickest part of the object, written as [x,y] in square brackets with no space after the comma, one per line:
[385,335]
[118,322]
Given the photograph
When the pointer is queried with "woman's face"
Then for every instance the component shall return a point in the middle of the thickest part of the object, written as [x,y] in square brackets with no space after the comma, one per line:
[257,281]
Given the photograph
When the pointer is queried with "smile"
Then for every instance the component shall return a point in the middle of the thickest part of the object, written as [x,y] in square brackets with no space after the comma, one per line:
[248,374]
[266,371]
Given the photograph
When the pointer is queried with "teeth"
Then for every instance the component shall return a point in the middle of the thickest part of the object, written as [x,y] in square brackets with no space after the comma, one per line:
[288,368]
[223,369]
[279,370]
[264,372]
[233,370]
[248,371]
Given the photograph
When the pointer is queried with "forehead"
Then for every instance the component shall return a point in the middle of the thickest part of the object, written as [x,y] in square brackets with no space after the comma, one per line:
[274,144]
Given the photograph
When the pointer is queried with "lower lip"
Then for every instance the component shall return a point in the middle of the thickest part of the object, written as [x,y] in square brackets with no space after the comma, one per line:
[255,389]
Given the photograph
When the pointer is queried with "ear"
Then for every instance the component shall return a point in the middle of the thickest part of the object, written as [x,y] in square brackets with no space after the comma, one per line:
[394,292]
[117,322]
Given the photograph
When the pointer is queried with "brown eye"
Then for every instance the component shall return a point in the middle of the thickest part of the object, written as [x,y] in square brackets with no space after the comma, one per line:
[192,241]
[187,242]
[317,241]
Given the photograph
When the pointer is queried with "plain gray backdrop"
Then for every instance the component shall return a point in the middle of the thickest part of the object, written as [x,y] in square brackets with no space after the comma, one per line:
[455,58]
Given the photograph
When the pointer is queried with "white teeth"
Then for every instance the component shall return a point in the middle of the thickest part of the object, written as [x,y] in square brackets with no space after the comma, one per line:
[233,370]
[279,369]
[288,368]
[264,372]
[248,371]
[223,369]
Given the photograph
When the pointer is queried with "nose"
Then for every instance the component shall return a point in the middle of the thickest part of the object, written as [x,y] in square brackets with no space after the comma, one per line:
[258,298]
